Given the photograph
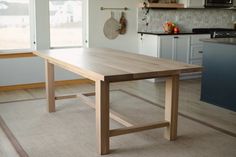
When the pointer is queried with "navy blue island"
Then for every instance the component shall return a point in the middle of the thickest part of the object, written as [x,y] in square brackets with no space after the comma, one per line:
[219,73]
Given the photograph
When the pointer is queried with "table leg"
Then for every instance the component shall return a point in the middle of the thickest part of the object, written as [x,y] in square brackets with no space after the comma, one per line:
[50,89]
[171,106]
[102,116]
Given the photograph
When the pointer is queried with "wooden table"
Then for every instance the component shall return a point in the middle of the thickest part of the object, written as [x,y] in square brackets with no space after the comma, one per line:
[105,66]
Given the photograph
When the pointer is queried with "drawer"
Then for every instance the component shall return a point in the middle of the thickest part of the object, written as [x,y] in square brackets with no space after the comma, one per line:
[196,62]
[196,52]
[195,39]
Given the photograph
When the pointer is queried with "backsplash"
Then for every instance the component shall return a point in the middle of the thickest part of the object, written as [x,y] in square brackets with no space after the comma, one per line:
[186,19]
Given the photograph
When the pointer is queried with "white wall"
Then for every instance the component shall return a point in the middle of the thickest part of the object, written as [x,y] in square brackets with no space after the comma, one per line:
[97,18]
[31,70]
[27,70]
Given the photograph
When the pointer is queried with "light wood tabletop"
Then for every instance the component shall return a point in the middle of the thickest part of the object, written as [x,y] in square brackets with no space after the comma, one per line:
[105,66]
[114,65]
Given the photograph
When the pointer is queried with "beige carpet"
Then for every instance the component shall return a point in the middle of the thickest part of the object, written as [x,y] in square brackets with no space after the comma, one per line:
[70,132]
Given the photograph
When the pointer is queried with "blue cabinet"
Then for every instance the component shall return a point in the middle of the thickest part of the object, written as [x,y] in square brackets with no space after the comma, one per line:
[219,75]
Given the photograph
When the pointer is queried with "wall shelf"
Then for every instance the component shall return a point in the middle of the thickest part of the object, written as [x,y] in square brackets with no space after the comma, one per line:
[161,5]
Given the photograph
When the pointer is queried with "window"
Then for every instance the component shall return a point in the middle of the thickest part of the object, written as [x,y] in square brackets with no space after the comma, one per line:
[14,24]
[65,23]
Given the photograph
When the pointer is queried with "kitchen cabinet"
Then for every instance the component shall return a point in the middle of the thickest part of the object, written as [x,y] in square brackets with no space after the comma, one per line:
[174,47]
[193,3]
[196,48]
[167,46]
[196,54]
[148,45]
[183,48]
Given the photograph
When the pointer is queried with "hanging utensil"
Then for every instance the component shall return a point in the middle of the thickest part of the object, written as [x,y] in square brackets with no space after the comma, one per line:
[111,27]
[123,24]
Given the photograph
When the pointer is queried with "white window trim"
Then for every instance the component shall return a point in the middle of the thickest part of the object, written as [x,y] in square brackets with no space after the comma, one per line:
[84,28]
[22,49]
[85,24]
[39,24]
[40,27]
[39,14]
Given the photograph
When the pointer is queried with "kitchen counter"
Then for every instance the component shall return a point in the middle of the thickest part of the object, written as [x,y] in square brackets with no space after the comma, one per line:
[164,33]
[231,41]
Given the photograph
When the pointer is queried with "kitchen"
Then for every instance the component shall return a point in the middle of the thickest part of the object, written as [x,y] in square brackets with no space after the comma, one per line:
[203,126]
[186,46]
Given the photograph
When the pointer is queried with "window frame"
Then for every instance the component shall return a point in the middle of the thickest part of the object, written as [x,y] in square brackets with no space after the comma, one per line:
[84,28]
[30,39]
[39,18]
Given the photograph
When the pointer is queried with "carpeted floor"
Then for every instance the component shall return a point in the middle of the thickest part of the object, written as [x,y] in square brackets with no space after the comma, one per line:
[70,132]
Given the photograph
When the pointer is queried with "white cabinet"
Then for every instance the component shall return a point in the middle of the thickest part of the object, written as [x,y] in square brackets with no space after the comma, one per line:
[196,51]
[165,47]
[148,45]
[196,48]
[193,3]
[174,47]
[183,48]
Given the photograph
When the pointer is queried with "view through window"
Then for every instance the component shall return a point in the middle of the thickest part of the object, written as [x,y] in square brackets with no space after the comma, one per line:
[65,23]
[14,24]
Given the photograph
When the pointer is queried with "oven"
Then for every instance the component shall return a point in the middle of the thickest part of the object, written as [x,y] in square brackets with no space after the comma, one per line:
[219,3]
[216,32]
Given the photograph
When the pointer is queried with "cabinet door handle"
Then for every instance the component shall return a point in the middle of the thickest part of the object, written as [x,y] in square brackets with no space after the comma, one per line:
[176,37]
[200,51]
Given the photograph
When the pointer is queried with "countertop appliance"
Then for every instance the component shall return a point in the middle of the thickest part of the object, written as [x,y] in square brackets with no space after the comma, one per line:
[219,3]
[217,32]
